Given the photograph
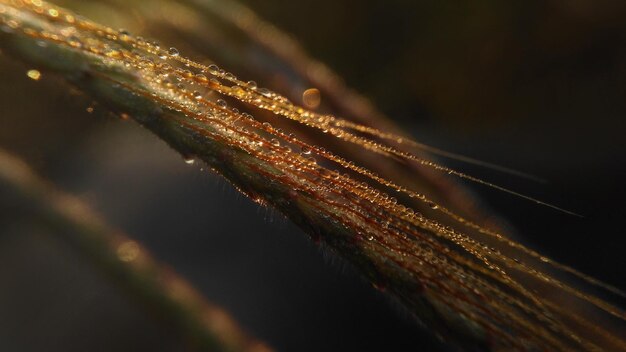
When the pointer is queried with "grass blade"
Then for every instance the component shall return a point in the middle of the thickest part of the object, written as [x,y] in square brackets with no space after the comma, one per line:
[476,295]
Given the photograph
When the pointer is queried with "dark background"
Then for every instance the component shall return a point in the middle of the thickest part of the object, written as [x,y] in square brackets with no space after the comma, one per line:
[538,86]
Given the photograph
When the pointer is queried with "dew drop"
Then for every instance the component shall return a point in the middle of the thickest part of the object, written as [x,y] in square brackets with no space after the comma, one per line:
[251,84]
[197,95]
[432,205]
[221,103]
[190,161]
[306,151]
[265,92]
[33,74]
[311,98]
[202,78]
[237,90]
[275,142]
[173,52]
[214,69]
[75,42]
[230,76]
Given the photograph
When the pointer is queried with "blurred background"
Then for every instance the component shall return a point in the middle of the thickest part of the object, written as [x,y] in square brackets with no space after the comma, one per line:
[537,86]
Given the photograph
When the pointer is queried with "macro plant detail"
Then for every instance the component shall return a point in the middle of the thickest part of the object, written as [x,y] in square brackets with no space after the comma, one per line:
[471,284]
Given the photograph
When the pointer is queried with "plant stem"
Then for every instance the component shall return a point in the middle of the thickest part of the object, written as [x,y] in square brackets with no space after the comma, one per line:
[473,294]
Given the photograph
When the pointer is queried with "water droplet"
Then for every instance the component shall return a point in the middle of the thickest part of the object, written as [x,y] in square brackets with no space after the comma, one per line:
[202,78]
[311,98]
[237,90]
[214,69]
[306,150]
[173,52]
[189,160]
[33,74]
[75,42]
[123,31]
[275,142]
[432,205]
[197,95]
[221,103]
[265,92]
[230,76]
[251,84]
